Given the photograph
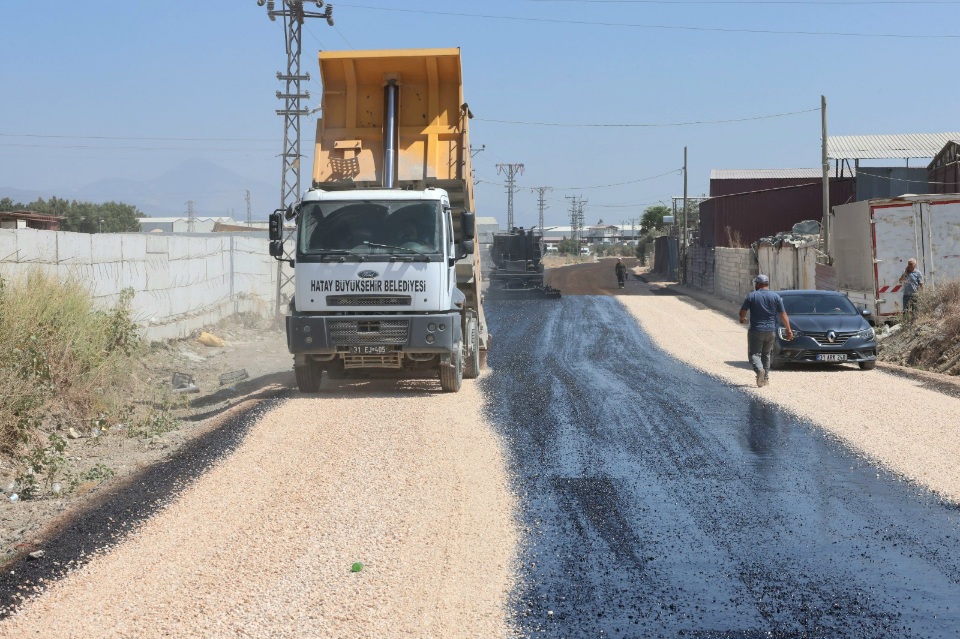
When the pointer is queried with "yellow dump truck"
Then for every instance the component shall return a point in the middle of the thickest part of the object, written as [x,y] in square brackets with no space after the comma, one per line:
[387,273]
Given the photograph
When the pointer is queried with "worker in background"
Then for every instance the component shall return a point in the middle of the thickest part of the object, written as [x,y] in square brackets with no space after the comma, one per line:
[764,306]
[621,272]
[912,281]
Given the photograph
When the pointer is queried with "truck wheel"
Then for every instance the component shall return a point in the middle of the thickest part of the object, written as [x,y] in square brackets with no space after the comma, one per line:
[868,366]
[451,375]
[308,377]
[471,367]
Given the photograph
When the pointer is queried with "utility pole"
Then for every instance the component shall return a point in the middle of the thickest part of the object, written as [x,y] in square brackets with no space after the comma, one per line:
[293,15]
[633,228]
[249,211]
[512,171]
[683,253]
[541,192]
[825,161]
[191,216]
[576,220]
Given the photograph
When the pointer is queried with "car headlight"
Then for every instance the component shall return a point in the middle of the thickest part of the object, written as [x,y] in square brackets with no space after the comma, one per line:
[782,332]
[868,334]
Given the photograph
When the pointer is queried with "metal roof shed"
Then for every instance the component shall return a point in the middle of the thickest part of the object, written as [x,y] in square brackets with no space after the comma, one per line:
[944,171]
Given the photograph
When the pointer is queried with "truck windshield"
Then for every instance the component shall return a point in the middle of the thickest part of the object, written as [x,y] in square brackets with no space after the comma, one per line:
[370,227]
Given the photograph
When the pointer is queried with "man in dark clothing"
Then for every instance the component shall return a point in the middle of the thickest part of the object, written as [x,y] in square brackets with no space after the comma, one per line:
[764,306]
[621,272]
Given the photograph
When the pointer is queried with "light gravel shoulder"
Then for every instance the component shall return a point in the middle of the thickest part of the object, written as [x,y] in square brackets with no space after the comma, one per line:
[410,483]
[909,429]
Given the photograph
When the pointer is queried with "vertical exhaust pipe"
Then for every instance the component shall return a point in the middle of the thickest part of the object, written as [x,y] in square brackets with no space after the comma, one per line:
[391,133]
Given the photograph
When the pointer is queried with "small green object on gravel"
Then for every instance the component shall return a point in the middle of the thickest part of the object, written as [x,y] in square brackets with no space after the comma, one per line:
[356,567]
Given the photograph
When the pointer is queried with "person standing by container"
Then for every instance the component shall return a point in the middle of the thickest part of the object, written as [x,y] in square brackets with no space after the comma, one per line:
[912,281]
[764,306]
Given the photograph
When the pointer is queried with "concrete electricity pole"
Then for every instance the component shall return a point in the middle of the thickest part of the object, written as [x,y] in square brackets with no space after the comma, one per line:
[512,171]
[191,216]
[293,15]
[541,192]
[249,212]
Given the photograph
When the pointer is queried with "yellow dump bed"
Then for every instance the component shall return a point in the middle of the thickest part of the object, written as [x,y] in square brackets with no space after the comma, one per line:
[433,143]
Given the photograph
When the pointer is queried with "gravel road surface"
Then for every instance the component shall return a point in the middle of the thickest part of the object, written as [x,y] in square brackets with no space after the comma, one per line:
[408,481]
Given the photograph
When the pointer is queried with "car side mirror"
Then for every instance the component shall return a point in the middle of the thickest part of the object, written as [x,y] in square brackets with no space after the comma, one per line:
[866,312]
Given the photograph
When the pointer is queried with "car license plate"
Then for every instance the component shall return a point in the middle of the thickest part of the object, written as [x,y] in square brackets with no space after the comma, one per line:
[368,350]
[832,357]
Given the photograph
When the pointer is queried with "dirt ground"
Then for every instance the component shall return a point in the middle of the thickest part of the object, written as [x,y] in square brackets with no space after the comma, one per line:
[96,462]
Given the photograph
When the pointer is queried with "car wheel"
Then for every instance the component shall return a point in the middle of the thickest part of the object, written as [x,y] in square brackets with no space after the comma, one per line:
[868,366]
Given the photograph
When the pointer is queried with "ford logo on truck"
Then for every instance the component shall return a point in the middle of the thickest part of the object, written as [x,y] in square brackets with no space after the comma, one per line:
[367,274]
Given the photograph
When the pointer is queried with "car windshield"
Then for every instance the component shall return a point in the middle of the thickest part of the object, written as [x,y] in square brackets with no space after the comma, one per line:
[818,305]
[370,227]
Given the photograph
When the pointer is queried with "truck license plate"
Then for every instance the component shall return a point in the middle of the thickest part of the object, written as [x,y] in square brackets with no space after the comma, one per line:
[832,357]
[368,350]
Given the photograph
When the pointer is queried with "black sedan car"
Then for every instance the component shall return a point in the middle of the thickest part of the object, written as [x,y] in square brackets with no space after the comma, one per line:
[827,328]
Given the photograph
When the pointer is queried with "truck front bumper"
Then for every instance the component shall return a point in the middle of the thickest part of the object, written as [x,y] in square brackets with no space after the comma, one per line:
[357,334]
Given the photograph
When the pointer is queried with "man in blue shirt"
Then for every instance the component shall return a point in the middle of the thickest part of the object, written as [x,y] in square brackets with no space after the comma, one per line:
[764,306]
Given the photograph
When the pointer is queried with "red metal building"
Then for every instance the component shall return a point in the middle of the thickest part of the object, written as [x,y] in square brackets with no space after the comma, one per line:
[746,205]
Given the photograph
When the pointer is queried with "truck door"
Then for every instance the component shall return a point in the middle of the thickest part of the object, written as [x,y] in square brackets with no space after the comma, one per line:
[941,234]
[896,238]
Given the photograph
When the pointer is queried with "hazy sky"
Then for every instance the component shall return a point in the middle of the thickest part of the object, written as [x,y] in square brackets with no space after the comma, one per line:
[130,88]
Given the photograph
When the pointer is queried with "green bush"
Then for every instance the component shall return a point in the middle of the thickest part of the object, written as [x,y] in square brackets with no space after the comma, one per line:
[60,356]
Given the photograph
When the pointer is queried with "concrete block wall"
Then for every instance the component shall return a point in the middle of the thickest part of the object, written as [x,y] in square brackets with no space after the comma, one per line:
[180,283]
[734,270]
[700,268]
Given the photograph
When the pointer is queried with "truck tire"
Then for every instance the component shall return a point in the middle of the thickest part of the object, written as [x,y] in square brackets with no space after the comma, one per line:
[308,377]
[471,365]
[451,375]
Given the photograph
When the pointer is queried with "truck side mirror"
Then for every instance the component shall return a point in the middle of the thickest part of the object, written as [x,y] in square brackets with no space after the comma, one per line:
[293,210]
[468,226]
[276,249]
[466,248]
[276,226]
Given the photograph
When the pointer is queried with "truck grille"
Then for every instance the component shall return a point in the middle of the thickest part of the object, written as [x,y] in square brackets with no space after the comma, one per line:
[368,300]
[354,332]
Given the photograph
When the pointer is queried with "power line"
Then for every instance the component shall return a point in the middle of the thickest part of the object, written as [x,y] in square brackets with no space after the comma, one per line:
[131,138]
[651,125]
[630,25]
[128,148]
[828,3]
[604,186]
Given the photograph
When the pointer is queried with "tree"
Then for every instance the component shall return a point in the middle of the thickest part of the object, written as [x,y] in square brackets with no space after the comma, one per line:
[567,247]
[653,217]
[83,217]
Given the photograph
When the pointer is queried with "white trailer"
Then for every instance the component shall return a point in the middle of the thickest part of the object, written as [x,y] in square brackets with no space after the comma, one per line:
[870,242]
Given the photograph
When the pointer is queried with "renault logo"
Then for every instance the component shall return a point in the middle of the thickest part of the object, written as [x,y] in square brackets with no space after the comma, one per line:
[831,336]
[367,274]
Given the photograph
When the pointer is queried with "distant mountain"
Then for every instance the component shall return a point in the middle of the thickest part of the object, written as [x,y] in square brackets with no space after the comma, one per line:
[213,189]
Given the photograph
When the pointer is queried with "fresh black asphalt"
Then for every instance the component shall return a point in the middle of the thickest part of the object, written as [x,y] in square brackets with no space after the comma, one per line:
[658,501]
